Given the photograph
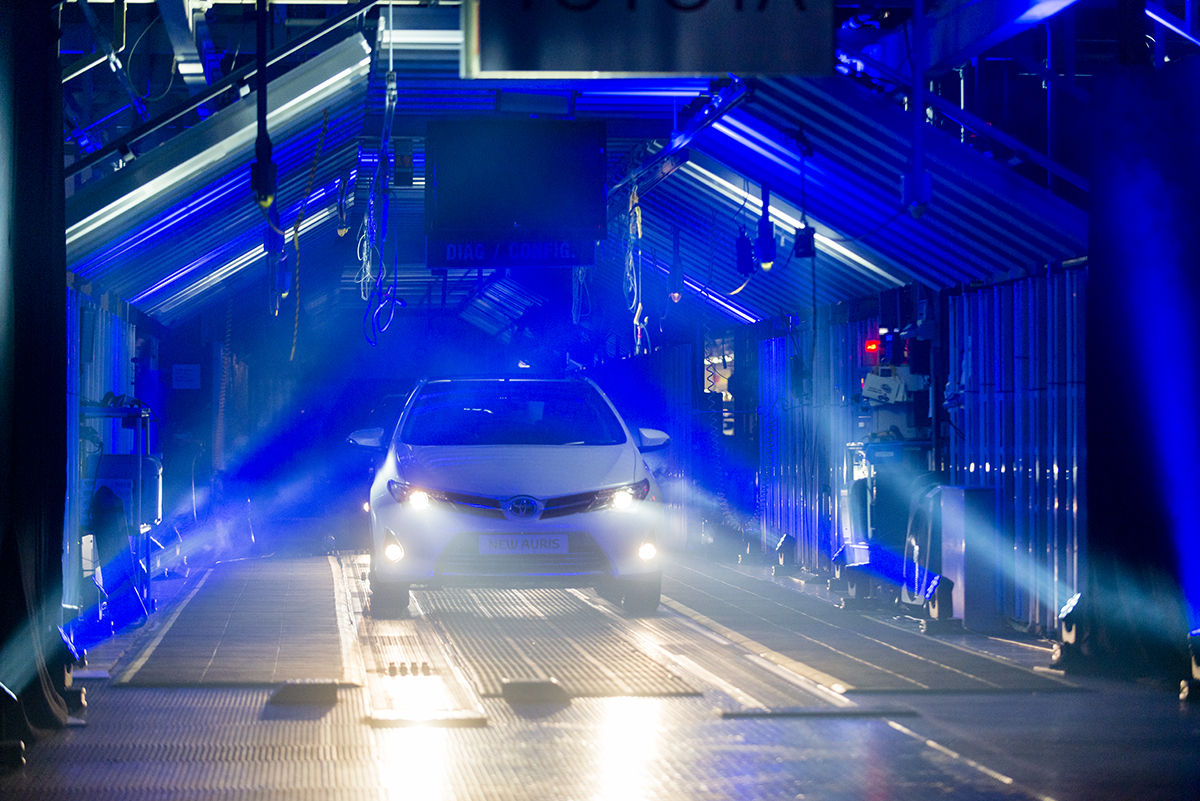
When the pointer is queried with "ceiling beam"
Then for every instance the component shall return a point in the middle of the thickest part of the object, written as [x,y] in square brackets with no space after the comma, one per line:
[962,30]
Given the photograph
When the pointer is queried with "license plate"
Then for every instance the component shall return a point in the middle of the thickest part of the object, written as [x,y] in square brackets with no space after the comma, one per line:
[523,543]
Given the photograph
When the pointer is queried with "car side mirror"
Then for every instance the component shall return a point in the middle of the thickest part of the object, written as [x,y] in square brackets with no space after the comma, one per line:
[651,439]
[368,438]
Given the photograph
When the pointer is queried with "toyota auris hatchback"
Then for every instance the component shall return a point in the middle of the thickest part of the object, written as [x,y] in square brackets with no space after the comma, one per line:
[514,482]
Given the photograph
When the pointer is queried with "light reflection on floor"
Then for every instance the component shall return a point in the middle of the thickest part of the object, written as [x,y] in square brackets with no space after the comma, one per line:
[628,739]
[413,763]
[417,697]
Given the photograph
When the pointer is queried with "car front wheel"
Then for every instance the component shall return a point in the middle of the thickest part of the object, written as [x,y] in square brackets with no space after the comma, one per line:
[642,596]
[388,598]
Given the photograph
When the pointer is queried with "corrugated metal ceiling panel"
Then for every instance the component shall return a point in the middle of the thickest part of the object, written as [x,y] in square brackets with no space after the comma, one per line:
[984,222]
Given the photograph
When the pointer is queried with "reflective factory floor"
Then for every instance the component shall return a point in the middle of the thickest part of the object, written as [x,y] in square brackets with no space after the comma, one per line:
[270,679]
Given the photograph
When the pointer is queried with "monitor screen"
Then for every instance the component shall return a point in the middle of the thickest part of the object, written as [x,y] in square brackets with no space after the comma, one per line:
[515,176]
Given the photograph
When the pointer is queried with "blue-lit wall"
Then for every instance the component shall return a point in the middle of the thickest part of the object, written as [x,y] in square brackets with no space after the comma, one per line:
[1143,309]
[806,421]
[1014,358]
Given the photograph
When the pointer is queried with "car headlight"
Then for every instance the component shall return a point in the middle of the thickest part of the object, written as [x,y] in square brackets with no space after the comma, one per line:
[417,499]
[621,498]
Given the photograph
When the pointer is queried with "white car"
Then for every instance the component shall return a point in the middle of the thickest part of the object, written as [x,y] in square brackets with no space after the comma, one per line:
[514,482]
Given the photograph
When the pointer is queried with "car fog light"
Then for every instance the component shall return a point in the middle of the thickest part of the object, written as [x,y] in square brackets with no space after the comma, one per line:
[393,551]
[647,551]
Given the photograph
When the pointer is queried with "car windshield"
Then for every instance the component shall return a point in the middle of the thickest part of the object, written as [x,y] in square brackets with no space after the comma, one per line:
[510,412]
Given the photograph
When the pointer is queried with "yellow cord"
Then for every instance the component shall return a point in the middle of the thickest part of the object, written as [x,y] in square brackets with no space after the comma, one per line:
[740,288]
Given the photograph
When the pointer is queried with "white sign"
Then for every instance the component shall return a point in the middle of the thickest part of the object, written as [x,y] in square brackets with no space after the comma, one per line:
[611,38]
[185,376]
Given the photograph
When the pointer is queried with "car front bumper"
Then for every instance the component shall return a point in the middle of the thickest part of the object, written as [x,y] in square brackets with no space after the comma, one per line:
[446,547]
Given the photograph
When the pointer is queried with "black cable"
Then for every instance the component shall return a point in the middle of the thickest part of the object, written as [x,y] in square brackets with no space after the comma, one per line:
[132,50]
[164,92]
[238,51]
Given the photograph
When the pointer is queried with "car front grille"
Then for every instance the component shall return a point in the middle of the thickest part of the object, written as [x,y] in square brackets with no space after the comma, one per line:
[461,559]
[471,504]
[568,505]
[484,506]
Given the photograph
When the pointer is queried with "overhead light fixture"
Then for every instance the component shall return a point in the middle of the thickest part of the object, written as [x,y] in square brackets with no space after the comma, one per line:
[423,39]
[735,193]
[805,246]
[766,234]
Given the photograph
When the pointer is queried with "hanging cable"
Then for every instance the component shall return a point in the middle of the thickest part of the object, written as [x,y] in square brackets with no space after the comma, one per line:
[633,233]
[743,286]
[633,267]
[381,299]
[129,63]
[365,278]
[312,174]
[164,92]
[342,210]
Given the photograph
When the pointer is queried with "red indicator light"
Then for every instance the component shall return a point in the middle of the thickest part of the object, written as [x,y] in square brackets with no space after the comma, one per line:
[872,346]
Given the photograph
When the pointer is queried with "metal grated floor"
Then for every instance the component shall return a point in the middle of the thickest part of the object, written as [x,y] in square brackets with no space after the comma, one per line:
[147,744]
[249,622]
[543,634]
[406,669]
[862,652]
[230,744]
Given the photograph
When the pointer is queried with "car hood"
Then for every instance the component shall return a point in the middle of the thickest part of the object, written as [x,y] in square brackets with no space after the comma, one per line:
[503,471]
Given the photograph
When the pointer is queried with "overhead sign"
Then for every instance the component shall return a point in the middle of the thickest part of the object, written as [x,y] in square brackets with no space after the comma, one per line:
[447,250]
[621,38]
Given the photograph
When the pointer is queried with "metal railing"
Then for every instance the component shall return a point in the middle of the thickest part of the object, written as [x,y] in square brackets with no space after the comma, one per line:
[124,148]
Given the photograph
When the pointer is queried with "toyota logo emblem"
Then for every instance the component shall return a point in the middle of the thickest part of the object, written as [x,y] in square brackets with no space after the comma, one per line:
[522,507]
